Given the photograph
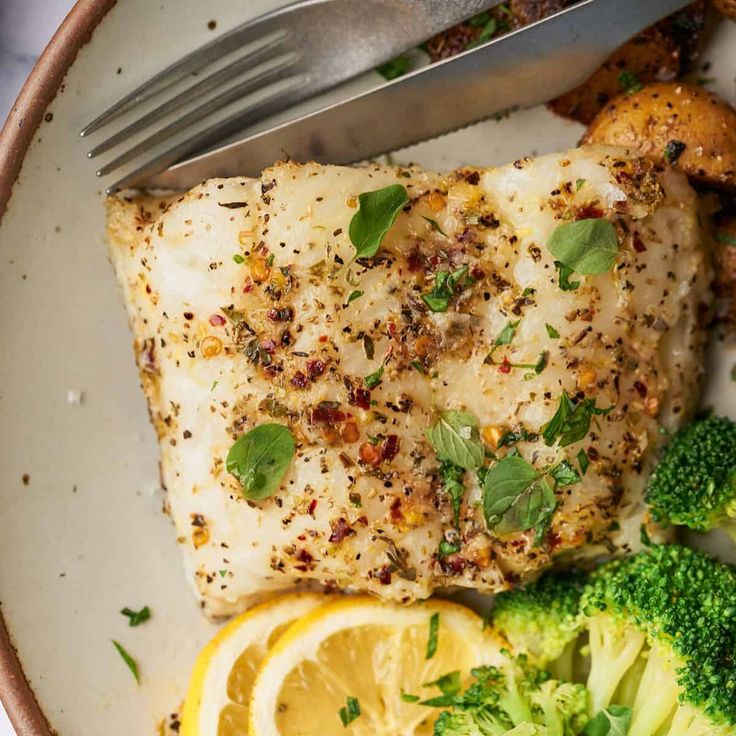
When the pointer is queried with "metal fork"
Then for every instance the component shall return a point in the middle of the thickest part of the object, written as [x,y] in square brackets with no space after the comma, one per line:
[286,56]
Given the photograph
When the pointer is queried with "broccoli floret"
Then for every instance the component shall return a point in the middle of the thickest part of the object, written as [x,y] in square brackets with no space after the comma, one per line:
[656,636]
[694,483]
[517,698]
[543,619]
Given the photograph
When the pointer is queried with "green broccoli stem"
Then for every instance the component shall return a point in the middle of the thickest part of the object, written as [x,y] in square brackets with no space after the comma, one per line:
[547,701]
[614,648]
[656,698]
[688,721]
[563,668]
[512,701]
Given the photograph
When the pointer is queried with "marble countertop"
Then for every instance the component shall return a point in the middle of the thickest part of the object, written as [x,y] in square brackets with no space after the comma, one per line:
[25,28]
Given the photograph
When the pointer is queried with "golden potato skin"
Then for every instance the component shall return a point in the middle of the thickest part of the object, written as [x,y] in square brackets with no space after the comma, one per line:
[651,56]
[682,125]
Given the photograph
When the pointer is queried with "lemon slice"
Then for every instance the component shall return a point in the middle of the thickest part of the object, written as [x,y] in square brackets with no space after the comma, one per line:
[219,689]
[361,655]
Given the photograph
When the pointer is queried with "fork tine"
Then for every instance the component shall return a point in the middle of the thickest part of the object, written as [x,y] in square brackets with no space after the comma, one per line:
[208,136]
[216,49]
[270,71]
[209,84]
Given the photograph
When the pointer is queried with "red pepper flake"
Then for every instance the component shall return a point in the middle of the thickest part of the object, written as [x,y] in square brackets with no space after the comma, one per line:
[593,454]
[268,345]
[554,540]
[323,338]
[589,211]
[639,246]
[369,454]
[390,447]
[477,273]
[299,380]
[392,329]
[384,575]
[454,564]
[217,320]
[248,286]
[306,558]
[641,389]
[414,261]
[362,398]
[188,315]
[340,530]
[312,507]
[505,366]
[349,431]
[315,368]
[396,515]
[329,414]
[362,520]
[282,314]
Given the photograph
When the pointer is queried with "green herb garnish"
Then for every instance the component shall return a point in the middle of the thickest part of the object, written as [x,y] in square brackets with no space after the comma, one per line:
[354,295]
[585,246]
[564,474]
[373,379]
[350,711]
[629,82]
[583,461]
[517,497]
[136,618]
[449,685]
[129,661]
[260,458]
[394,68]
[433,637]
[571,422]
[409,698]
[435,225]
[238,258]
[446,286]
[579,184]
[447,548]
[552,332]
[564,274]
[455,438]
[377,211]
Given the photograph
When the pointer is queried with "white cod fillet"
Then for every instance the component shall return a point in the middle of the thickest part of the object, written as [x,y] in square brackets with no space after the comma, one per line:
[224,344]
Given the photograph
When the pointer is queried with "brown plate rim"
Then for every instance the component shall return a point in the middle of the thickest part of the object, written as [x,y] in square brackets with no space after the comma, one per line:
[25,116]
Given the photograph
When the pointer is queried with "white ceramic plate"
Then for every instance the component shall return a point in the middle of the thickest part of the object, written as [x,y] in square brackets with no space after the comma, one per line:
[85,536]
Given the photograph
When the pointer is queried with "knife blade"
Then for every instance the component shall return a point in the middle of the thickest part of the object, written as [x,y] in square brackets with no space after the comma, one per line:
[518,70]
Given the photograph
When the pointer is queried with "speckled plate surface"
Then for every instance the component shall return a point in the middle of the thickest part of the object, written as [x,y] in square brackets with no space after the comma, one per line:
[81,528]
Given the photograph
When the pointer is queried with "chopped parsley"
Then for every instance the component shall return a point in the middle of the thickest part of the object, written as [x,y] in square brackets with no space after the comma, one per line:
[354,295]
[350,711]
[394,68]
[433,637]
[238,258]
[571,421]
[447,285]
[583,461]
[374,379]
[409,698]
[136,618]
[564,274]
[435,225]
[129,661]
[551,331]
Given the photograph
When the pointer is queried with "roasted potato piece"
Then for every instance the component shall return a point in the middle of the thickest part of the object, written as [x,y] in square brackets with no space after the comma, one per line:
[657,54]
[682,125]
[650,56]
[726,7]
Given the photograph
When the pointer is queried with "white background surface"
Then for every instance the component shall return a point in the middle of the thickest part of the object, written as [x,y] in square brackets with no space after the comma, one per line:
[25,28]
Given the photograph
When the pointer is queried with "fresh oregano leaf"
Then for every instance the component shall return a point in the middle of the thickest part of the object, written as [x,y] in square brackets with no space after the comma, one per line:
[455,438]
[586,246]
[377,211]
[613,721]
[504,483]
[260,458]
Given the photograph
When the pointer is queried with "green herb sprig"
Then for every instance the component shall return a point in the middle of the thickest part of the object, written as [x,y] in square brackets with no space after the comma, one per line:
[260,458]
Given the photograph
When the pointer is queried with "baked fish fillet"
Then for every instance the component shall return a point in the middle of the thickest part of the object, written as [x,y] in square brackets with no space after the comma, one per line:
[245,311]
